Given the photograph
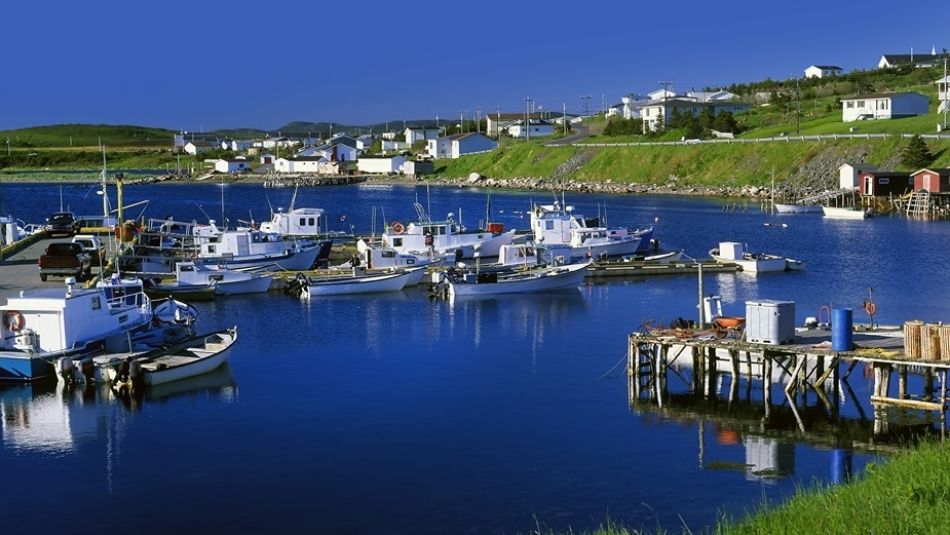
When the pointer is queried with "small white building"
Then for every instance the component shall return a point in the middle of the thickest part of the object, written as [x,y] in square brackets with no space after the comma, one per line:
[823,71]
[661,94]
[849,174]
[364,142]
[460,145]
[335,152]
[417,167]
[535,128]
[632,104]
[653,113]
[231,166]
[383,165]
[241,145]
[395,145]
[299,164]
[281,142]
[883,106]
[498,122]
[415,134]
[389,136]
[267,158]
[197,147]
[711,96]
[917,61]
[943,93]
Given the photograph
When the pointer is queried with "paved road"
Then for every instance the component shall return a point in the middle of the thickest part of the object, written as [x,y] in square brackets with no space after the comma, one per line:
[578,133]
[19,272]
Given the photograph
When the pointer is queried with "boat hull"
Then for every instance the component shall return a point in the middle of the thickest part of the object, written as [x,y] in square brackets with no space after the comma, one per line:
[613,248]
[392,282]
[291,261]
[797,208]
[553,279]
[198,367]
[832,212]
[254,285]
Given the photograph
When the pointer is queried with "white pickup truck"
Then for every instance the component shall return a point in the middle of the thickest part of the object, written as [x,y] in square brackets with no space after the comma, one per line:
[91,245]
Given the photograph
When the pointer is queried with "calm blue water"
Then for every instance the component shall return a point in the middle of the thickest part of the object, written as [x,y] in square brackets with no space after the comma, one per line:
[397,414]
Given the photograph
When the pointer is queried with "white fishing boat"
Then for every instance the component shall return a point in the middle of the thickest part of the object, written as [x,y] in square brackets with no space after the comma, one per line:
[40,326]
[244,248]
[657,258]
[438,238]
[188,358]
[781,208]
[735,253]
[558,224]
[294,223]
[537,280]
[224,281]
[839,212]
[358,281]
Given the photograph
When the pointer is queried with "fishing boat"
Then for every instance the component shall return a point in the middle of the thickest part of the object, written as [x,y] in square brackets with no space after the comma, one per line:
[840,212]
[358,281]
[537,280]
[187,292]
[735,253]
[224,281]
[188,358]
[437,238]
[252,248]
[656,258]
[558,224]
[40,326]
[781,208]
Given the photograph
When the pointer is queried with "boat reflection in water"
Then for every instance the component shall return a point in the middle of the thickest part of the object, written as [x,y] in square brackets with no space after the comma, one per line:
[53,418]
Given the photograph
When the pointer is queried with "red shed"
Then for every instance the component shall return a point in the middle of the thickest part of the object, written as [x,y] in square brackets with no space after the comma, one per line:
[881,184]
[932,180]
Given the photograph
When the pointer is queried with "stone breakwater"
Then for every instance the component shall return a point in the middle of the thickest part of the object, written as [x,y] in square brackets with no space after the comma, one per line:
[672,187]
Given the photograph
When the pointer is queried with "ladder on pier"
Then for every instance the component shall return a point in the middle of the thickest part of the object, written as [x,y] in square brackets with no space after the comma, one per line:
[919,205]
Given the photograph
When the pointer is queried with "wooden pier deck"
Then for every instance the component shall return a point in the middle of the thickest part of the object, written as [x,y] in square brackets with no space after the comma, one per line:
[809,364]
[599,270]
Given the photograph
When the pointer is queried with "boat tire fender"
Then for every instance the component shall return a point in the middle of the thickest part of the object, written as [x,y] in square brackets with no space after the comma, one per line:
[14,321]
[397,227]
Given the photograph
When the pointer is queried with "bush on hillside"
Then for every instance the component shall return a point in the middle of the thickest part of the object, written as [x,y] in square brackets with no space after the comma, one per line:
[916,154]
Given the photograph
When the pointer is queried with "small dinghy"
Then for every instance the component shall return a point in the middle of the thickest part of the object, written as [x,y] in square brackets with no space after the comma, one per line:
[356,282]
[188,358]
[537,280]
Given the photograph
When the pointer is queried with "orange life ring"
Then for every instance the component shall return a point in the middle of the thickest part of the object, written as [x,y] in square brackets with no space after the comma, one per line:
[14,321]
[870,307]
[397,227]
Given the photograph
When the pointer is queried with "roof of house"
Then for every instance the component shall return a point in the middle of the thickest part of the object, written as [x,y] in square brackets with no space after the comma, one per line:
[381,157]
[942,171]
[882,95]
[307,158]
[689,102]
[896,59]
[464,135]
[415,127]
[513,116]
[827,67]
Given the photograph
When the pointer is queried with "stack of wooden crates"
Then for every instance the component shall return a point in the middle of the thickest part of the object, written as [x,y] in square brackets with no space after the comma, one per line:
[926,341]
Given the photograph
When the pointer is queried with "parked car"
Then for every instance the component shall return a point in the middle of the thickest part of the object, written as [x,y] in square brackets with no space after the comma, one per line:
[92,245]
[62,223]
[65,259]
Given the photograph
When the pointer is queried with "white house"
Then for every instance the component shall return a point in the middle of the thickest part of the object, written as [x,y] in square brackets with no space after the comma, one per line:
[661,94]
[614,110]
[654,112]
[300,164]
[415,134]
[883,106]
[711,96]
[496,122]
[849,174]
[281,142]
[535,128]
[417,167]
[335,152]
[230,166]
[267,158]
[364,142]
[239,145]
[389,136]
[823,71]
[197,147]
[888,61]
[943,95]
[395,145]
[632,104]
[384,165]
[460,145]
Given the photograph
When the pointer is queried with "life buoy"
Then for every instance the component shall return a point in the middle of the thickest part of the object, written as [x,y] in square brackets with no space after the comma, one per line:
[14,321]
[870,307]
[397,227]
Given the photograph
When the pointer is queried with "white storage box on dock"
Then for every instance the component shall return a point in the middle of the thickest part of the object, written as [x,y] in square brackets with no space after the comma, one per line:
[770,322]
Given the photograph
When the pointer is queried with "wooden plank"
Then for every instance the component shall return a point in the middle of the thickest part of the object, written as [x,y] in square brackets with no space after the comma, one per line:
[910,403]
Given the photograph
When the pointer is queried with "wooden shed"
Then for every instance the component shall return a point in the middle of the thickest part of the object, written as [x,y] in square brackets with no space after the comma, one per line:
[932,180]
[881,184]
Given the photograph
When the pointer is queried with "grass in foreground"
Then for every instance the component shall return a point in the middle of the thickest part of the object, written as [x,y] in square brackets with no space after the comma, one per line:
[909,494]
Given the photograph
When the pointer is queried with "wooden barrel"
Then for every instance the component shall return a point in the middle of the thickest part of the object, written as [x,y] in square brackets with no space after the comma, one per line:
[912,336]
[930,342]
[945,342]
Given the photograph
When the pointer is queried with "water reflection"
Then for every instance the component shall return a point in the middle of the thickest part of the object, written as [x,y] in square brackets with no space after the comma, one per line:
[55,419]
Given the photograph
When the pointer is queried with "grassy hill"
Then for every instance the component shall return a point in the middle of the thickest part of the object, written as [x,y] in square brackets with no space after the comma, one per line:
[87,135]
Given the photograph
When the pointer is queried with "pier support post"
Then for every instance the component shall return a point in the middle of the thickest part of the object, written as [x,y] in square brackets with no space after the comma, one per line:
[902,382]
[711,375]
[928,384]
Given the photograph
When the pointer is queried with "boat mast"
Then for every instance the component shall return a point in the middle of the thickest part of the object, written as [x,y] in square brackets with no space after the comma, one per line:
[105,192]
[773,189]
[224,226]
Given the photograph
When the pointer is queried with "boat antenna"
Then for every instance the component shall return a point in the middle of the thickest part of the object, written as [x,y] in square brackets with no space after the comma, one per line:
[293,200]
[105,192]
[428,200]
[205,213]
[222,203]
[270,206]
[488,209]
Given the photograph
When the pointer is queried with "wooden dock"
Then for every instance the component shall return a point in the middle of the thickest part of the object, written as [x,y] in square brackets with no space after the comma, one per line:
[808,365]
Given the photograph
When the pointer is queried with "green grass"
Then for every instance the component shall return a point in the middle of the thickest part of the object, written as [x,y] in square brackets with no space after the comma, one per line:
[517,159]
[87,135]
[908,494]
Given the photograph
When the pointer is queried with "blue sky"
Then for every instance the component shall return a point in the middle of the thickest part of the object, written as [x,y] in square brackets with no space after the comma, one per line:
[205,65]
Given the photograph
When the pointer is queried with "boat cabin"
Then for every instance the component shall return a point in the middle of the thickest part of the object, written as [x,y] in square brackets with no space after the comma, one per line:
[297,222]
[48,320]
[932,180]
[551,223]
[240,243]
[882,184]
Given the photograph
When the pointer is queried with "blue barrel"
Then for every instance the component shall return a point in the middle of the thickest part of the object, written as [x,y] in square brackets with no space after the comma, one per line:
[841,329]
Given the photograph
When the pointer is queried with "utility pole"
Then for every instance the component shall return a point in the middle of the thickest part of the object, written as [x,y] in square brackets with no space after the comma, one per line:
[946,90]
[478,119]
[564,116]
[527,117]
[798,114]
[586,99]
[666,89]
[497,122]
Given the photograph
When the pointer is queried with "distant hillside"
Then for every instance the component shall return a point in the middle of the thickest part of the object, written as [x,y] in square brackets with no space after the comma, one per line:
[324,128]
[86,135]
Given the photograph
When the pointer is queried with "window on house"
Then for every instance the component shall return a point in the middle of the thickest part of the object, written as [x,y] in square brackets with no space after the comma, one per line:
[860,103]
[883,181]
[549,225]
[849,104]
